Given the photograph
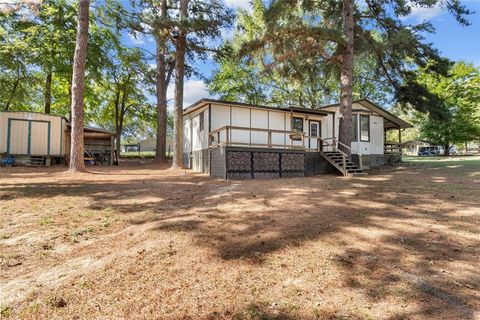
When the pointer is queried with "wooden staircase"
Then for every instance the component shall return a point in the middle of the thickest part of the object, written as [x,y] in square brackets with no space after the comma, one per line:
[340,160]
[347,168]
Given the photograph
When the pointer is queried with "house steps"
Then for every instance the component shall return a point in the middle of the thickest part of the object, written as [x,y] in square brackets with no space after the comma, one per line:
[335,158]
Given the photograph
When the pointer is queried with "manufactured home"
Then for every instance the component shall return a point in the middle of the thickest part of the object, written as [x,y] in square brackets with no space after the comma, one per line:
[43,139]
[235,140]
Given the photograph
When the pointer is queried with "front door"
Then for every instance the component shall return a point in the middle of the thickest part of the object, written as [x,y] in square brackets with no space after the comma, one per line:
[314,133]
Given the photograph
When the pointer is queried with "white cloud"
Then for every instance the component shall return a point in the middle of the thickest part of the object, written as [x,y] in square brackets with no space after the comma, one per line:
[136,37]
[193,91]
[420,14]
[244,4]
[227,33]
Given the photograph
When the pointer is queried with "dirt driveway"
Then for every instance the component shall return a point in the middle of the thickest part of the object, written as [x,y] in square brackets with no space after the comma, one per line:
[140,242]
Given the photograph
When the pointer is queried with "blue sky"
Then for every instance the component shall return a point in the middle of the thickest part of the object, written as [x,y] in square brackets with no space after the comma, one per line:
[452,40]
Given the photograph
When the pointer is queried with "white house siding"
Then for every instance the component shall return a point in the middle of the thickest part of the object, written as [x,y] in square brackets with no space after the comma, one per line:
[187,135]
[240,117]
[220,117]
[375,145]
[225,115]
[276,121]
[195,140]
[259,120]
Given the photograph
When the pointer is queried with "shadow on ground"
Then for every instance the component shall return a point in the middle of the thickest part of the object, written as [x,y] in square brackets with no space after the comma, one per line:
[403,231]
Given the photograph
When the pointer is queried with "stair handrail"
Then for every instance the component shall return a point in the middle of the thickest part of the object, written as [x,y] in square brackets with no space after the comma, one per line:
[334,148]
[360,160]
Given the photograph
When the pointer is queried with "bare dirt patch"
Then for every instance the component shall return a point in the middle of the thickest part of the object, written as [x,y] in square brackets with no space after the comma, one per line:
[138,242]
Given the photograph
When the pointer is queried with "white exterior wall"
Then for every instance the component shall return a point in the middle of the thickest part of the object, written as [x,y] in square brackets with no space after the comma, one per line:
[226,115]
[193,138]
[187,134]
[376,143]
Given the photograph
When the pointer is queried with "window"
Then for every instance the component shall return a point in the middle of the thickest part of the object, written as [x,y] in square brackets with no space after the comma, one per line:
[364,127]
[314,129]
[202,121]
[354,127]
[297,124]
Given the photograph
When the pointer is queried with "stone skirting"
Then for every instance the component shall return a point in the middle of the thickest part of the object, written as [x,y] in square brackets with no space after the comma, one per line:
[377,160]
[265,163]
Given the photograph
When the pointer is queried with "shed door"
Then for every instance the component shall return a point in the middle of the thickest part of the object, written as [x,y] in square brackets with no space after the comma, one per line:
[18,137]
[39,138]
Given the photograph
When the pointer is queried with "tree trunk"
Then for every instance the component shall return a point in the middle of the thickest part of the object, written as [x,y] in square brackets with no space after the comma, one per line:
[118,141]
[123,111]
[118,131]
[161,86]
[48,92]
[12,94]
[346,78]
[78,83]
[70,82]
[179,75]
[447,150]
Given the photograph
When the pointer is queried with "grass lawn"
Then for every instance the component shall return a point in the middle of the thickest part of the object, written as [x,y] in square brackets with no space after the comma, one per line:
[136,154]
[139,242]
[142,154]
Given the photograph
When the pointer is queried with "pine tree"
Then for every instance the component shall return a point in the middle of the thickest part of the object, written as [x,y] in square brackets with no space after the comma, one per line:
[312,30]
[78,85]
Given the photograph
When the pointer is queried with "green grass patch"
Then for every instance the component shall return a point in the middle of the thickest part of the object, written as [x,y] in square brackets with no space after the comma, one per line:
[465,161]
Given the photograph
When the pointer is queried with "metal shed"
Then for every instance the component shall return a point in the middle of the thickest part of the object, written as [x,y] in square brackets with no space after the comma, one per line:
[39,139]
[30,134]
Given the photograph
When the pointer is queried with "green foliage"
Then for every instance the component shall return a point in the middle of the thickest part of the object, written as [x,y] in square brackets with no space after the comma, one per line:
[459,92]
[35,43]
[280,63]
[303,41]
[255,79]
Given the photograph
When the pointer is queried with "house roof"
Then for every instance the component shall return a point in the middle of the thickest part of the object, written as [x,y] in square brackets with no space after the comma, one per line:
[202,102]
[391,121]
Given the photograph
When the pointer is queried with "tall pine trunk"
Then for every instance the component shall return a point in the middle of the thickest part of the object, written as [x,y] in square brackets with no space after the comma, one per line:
[161,87]
[161,143]
[346,78]
[179,79]
[118,130]
[78,84]
[48,92]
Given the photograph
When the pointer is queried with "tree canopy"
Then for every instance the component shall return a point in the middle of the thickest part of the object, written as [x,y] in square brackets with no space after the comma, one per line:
[459,92]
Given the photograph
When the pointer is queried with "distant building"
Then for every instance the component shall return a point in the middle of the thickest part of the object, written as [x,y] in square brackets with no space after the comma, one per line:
[150,144]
